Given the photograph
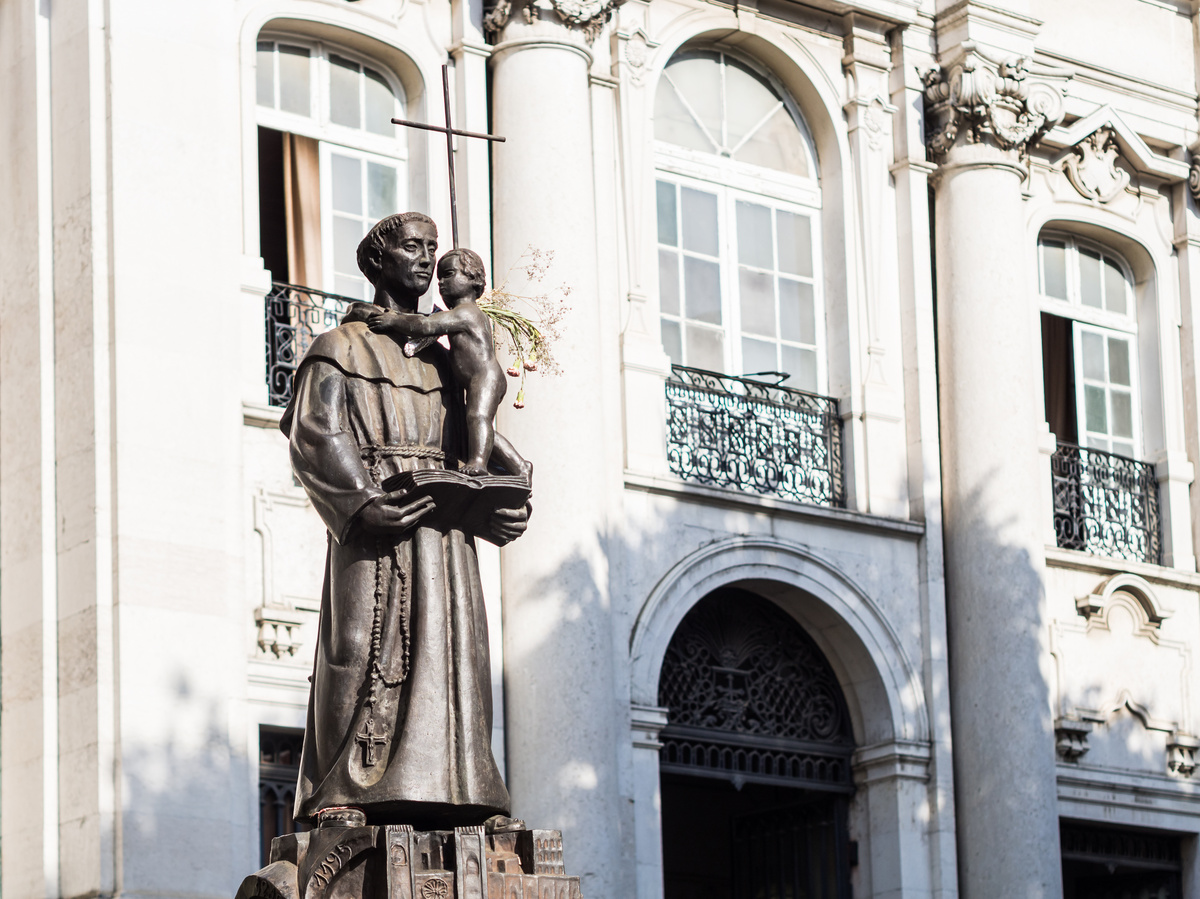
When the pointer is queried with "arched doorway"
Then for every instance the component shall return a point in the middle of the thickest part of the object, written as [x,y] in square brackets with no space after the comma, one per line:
[755,764]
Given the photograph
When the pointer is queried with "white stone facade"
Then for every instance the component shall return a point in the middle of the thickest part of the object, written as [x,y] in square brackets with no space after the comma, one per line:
[160,570]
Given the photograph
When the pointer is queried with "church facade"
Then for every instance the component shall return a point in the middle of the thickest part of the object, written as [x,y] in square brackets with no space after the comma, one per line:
[863,552]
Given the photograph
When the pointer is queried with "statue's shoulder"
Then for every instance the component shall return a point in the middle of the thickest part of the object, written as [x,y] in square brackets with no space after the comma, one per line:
[339,345]
[360,352]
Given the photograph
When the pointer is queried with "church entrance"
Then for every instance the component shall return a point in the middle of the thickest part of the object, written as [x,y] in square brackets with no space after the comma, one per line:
[755,765]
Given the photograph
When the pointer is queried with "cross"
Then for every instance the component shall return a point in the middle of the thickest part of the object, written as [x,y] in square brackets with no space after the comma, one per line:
[369,741]
[449,132]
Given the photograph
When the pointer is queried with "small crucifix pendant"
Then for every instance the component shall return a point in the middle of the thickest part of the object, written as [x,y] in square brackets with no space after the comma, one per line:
[369,740]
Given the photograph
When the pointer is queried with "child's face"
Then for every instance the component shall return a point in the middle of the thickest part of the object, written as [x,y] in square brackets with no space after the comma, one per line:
[453,283]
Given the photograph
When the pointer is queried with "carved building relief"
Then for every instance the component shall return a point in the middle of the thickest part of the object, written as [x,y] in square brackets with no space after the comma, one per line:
[1092,167]
[1118,676]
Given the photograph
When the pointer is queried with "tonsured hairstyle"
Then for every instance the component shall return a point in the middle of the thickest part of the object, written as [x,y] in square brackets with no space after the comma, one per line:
[376,238]
[472,267]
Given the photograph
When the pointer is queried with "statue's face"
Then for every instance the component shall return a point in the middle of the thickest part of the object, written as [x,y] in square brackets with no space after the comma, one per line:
[407,264]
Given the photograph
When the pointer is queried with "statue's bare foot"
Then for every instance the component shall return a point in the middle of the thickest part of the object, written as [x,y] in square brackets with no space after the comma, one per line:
[475,470]
[503,824]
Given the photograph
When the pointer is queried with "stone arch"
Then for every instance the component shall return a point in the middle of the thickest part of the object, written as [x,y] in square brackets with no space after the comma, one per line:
[881,686]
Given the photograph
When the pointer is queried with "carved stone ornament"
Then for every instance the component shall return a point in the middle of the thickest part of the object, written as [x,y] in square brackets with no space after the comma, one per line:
[1092,166]
[1194,178]
[978,100]
[589,15]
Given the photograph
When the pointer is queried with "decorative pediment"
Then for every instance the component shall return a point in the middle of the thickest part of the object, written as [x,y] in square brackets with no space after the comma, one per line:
[1149,605]
[1090,145]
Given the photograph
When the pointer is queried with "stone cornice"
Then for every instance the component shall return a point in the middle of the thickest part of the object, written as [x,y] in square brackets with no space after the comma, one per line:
[1003,104]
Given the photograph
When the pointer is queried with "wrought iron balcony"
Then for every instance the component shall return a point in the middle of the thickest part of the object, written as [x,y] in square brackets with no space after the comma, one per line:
[725,431]
[1106,504]
[294,316]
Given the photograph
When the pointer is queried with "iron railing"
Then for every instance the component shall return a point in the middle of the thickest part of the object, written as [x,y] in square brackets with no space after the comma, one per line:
[294,316]
[1106,504]
[726,431]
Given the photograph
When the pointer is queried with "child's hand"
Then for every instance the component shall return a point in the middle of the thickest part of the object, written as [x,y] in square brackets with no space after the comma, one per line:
[383,321]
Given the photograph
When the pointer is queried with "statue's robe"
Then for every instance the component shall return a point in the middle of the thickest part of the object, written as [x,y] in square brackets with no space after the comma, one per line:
[400,712]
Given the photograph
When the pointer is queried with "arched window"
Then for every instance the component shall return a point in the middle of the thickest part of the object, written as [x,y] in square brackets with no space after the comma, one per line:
[331,163]
[1089,342]
[738,233]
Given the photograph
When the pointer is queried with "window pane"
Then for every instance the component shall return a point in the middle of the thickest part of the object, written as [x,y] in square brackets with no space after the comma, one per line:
[697,77]
[668,281]
[1089,278]
[776,145]
[1099,443]
[347,184]
[758,356]
[264,74]
[1118,361]
[699,221]
[1123,449]
[1115,299]
[801,365]
[754,235]
[1095,409]
[795,244]
[749,99]
[674,124]
[1093,356]
[797,312]
[705,348]
[347,233]
[757,294]
[294,92]
[381,104]
[348,286]
[672,341]
[702,290]
[1122,414]
[381,190]
[667,232]
[1054,269]
[344,107]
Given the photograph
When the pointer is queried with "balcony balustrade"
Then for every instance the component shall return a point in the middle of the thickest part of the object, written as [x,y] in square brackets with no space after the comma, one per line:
[1106,504]
[294,316]
[725,431]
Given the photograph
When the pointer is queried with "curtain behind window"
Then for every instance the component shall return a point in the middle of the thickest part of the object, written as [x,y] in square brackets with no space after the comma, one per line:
[302,200]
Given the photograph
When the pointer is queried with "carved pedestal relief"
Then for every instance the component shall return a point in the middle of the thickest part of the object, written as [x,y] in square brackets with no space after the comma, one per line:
[1123,689]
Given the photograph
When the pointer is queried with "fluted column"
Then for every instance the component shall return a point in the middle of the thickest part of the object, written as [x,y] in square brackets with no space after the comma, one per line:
[982,116]
[562,718]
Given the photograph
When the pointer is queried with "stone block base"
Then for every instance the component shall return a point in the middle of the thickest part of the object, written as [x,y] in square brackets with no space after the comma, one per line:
[396,862]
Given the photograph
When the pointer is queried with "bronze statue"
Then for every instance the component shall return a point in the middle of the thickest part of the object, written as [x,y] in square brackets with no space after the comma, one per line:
[399,716]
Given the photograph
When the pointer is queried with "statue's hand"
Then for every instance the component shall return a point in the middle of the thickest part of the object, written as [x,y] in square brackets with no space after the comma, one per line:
[381,321]
[507,525]
[392,513]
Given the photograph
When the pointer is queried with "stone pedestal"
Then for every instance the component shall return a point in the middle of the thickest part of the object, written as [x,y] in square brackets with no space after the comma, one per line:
[396,862]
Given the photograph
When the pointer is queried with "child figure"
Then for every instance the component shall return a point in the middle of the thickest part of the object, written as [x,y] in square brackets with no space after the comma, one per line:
[472,356]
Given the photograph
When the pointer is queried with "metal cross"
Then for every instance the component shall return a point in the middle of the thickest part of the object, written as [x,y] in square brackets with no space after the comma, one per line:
[449,131]
[369,740]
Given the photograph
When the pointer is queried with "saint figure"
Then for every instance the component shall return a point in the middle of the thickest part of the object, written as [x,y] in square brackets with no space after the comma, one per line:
[400,713]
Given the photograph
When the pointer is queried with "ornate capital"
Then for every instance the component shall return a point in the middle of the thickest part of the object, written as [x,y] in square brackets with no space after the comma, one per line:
[588,15]
[1194,178]
[1006,104]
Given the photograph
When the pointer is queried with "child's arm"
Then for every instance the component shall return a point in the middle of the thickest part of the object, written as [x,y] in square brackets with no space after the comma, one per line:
[414,325]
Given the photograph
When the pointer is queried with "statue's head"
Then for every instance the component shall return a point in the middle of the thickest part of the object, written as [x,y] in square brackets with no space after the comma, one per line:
[398,254]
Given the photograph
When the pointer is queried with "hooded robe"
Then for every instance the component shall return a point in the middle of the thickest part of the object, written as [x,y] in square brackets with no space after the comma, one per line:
[400,712]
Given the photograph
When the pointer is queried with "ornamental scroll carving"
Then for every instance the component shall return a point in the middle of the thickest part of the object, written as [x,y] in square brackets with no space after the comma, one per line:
[589,15]
[739,664]
[1092,166]
[1006,104]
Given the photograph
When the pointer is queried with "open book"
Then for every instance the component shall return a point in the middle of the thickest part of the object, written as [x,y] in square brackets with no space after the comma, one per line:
[463,501]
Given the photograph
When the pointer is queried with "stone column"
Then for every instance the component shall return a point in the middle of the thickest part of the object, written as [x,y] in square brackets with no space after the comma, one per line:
[562,717]
[982,116]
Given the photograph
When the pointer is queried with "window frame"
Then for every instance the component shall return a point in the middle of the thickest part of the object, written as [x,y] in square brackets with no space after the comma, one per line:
[731,180]
[318,124]
[1095,320]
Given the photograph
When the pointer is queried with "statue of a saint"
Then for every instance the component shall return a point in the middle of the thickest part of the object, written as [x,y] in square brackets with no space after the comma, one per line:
[400,713]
